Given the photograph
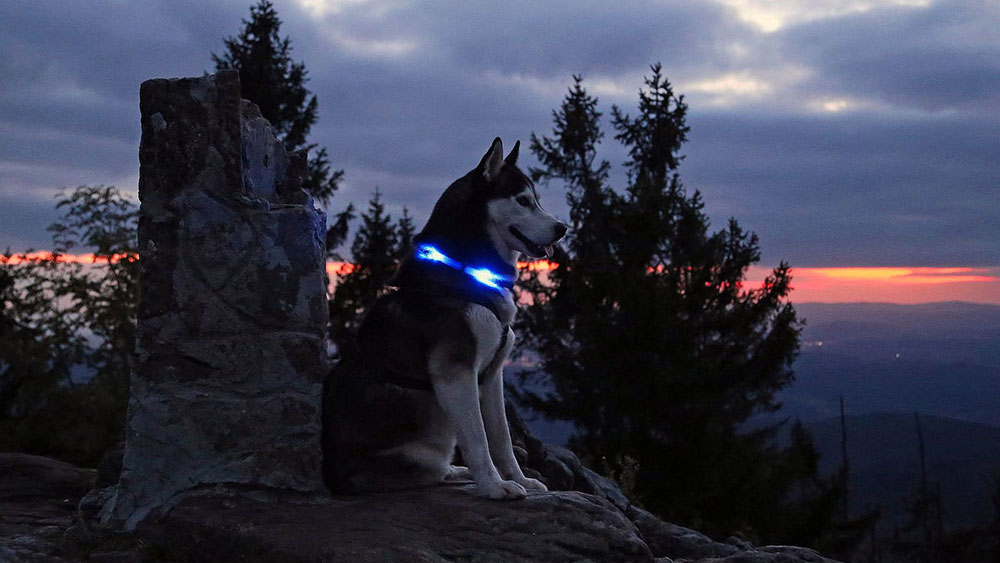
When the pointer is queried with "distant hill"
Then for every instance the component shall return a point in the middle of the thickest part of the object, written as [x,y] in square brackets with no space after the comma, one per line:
[964,457]
[966,391]
[941,359]
[938,358]
[950,333]
[953,318]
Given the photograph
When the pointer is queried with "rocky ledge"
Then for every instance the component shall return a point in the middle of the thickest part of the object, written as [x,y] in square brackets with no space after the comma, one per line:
[40,522]
[448,523]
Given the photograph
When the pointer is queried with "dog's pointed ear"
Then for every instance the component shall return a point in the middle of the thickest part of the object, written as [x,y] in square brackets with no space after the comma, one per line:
[512,157]
[492,160]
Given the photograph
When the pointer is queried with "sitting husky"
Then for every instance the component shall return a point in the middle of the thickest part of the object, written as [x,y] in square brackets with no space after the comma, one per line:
[426,367]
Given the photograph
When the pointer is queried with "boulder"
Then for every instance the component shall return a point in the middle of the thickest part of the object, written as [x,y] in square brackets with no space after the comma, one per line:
[557,467]
[31,476]
[678,542]
[447,523]
[38,498]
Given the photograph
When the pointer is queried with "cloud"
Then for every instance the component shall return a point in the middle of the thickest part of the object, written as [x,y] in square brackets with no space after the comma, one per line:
[858,132]
[939,58]
[773,15]
[861,189]
[71,73]
[539,39]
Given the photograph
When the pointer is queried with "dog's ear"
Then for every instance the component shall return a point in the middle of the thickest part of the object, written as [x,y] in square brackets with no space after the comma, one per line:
[512,157]
[492,160]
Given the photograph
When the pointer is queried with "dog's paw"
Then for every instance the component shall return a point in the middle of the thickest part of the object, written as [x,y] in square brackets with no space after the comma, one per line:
[503,490]
[530,484]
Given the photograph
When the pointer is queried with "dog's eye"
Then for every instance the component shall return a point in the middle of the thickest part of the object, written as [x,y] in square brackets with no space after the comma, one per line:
[523,201]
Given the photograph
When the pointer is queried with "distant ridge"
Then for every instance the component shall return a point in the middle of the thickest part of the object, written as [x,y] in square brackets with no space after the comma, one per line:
[963,456]
[938,358]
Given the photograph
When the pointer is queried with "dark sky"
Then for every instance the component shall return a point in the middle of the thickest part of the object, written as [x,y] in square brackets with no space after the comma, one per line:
[845,133]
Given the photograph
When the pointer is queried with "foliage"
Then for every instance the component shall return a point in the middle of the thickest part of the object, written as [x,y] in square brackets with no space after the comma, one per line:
[404,233]
[655,350]
[337,233]
[378,245]
[270,79]
[61,316]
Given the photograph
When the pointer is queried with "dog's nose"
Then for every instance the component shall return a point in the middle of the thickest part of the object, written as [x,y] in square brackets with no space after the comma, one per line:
[561,229]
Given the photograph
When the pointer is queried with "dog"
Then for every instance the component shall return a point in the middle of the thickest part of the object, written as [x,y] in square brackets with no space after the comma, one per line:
[425,369]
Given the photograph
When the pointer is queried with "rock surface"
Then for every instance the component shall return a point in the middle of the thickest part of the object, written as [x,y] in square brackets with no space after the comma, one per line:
[38,499]
[442,524]
[30,476]
[231,323]
[448,523]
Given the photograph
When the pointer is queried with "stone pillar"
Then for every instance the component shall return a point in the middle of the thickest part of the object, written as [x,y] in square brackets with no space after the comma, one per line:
[231,325]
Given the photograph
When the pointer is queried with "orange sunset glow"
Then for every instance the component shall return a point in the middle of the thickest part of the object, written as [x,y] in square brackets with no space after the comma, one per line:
[828,285]
[890,285]
[71,258]
[856,284]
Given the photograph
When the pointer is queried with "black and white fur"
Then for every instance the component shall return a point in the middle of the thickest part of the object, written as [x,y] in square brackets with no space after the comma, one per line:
[442,330]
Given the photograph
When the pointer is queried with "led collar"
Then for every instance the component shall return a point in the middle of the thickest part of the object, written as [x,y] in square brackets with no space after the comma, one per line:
[481,275]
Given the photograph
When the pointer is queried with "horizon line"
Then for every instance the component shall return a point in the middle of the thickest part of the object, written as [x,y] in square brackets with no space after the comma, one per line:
[898,285]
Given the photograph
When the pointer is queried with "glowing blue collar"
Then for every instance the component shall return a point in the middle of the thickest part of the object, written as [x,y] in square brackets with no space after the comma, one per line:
[481,275]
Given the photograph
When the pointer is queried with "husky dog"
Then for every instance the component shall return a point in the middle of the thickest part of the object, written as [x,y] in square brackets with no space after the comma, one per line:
[426,366]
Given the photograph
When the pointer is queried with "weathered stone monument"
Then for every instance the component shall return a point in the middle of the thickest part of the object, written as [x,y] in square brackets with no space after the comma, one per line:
[231,348]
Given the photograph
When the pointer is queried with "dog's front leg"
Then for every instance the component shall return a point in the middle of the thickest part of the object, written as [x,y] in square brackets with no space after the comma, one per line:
[457,392]
[497,430]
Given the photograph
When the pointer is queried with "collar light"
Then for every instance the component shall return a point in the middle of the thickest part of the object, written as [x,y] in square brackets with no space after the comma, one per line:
[482,275]
[428,252]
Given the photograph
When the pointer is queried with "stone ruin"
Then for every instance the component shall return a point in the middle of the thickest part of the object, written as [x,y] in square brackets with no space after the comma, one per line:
[231,349]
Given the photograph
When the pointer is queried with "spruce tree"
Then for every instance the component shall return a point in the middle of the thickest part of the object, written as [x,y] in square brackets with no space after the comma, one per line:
[654,349]
[272,80]
[404,233]
[374,254]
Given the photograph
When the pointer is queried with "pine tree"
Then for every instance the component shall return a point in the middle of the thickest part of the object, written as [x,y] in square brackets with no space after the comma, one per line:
[404,232]
[924,529]
[655,350]
[270,79]
[374,254]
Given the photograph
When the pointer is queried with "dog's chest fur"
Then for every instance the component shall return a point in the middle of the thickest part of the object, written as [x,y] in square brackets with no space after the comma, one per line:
[404,334]
[489,334]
